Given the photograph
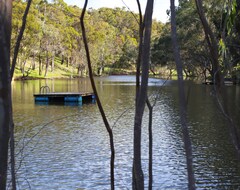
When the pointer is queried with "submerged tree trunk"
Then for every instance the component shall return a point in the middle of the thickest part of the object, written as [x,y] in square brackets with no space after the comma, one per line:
[182,100]
[109,129]
[138,178]
[5,88]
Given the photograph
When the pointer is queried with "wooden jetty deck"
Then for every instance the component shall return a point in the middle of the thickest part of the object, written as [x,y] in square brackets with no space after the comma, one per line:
[65,97]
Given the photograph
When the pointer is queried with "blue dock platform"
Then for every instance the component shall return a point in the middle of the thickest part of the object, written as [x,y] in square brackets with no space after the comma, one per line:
[65,97]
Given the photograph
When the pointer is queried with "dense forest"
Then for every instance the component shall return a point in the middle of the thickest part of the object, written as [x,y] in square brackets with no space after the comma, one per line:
[53,41]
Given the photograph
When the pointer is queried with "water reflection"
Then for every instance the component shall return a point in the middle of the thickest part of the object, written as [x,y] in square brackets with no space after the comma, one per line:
[67,147]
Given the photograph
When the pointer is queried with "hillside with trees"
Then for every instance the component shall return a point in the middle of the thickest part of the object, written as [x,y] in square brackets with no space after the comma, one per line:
[52,43]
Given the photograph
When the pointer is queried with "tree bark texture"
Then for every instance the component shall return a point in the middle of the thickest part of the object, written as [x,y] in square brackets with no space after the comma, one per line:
[109,129]
[138,177]
[182,100]
[5,87]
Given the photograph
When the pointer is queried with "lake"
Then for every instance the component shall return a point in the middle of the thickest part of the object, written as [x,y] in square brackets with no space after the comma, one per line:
[66,147]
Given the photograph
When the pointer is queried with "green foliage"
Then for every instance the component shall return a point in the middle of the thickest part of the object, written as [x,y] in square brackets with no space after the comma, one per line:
[222,16]
[53,30]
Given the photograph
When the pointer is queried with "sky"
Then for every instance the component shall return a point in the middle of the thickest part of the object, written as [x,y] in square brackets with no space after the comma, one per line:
[159,13]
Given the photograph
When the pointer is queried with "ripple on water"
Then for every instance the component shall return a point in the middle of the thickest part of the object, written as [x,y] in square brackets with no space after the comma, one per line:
[73,151]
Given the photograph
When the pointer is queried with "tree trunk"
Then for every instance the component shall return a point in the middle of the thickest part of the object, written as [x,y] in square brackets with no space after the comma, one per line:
[62,61]
[20,35]
[23,66]
[40,64]
[212,45]
[68,61]
[47,64]
[182,100]
[138,178]
[108,128]
[5,88]
[150,153]
[52,64]
[33,62]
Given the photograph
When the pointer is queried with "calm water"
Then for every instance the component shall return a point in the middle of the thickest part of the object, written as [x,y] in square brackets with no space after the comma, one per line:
[62,147]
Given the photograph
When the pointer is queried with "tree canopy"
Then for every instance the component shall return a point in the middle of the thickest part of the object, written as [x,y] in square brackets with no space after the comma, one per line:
[222,16]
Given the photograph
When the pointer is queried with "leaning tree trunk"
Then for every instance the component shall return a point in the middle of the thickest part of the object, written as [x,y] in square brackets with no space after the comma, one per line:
[219,87]
[107,125]
[182,100]
[19,38]
[5,87]
[138,178]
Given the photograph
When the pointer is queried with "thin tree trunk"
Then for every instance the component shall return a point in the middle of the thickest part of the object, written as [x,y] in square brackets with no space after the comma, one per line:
[138,177]
[182,100]
[141,28]
[139,60]
[23,66]
[109,129]
[20,35]
[5,88]
[52,63]
[47,64]
[39,64]
[33,62]
[150,138]
[14,62]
